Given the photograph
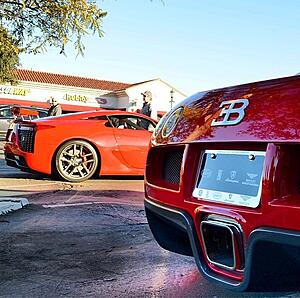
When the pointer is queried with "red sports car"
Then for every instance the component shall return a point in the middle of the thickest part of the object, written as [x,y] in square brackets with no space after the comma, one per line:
[76,146]
[227,187]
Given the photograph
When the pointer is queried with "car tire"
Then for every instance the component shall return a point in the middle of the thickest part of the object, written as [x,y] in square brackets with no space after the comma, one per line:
[76,161]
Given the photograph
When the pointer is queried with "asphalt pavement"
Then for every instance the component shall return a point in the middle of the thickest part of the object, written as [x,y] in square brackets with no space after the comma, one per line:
[98,250]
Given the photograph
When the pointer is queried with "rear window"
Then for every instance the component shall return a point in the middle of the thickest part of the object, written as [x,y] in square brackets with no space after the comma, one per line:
[43,114]
[5,113]
[97,118]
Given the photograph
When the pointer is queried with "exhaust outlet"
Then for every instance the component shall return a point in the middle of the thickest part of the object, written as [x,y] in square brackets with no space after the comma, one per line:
[222,243]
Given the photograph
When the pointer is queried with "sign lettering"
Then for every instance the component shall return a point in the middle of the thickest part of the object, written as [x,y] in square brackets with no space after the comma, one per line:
[14,91]
[75,97]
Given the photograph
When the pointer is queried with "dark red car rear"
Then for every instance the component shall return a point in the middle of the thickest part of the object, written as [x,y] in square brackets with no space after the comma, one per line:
[222,183]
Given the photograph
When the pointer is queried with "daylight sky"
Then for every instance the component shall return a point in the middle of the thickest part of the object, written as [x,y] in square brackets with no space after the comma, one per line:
[194,45]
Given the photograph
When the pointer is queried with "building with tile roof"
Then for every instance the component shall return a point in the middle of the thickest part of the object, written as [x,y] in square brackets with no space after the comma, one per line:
[25,75]
[79,93]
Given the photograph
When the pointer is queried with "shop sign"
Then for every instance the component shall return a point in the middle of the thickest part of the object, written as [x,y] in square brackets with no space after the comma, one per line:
[14,90]
[75,97]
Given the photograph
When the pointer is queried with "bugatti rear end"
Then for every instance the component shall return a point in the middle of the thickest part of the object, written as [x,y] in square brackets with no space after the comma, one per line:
[226,187]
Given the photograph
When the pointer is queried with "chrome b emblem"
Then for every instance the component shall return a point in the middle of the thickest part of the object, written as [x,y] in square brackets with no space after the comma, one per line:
[232,111]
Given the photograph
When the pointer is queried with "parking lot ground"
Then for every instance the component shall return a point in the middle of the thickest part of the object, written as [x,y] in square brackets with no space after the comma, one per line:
[97,250]
[90,240]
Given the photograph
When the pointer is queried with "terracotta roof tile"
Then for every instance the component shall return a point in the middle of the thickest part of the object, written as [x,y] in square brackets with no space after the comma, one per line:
[67,80]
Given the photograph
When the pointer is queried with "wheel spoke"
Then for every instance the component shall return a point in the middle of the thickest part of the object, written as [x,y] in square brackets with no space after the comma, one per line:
[80,172]
[85,167]
[72,172]
[67,153]
[65,159]
[67,168]
[89,161]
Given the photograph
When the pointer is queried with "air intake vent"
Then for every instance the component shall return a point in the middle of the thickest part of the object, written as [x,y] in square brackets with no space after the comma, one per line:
[26,138]
[172,166]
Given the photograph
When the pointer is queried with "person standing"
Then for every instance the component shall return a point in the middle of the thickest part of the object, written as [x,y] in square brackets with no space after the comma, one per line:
[147,108]
[16,113]
[55,108]
[147,103]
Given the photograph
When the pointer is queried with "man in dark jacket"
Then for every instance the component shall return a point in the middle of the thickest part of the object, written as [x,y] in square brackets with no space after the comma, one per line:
[147,108]
[55,108]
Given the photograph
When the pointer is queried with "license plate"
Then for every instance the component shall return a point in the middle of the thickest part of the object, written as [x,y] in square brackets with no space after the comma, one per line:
[231,176]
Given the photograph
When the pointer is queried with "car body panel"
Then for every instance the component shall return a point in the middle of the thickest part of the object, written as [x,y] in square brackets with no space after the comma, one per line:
[270,115]
[133,148]
[270,124]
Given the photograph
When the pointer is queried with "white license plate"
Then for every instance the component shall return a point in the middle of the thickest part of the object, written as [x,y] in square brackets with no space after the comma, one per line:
[231,176]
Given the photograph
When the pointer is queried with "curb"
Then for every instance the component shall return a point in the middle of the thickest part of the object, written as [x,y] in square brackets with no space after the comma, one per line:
[8,204]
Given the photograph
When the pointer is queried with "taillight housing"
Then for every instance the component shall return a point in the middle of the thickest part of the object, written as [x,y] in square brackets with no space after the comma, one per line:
[12,137]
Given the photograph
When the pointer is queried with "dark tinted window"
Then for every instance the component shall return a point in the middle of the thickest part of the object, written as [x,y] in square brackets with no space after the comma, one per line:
[131,122]
[5,113]
[98,118]
[43,114]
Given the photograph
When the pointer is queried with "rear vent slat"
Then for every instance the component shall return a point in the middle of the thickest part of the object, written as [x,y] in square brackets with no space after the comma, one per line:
[172,166]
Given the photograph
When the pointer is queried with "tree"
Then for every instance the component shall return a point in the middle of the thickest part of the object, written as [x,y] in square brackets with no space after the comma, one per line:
[9,57]
[32,25]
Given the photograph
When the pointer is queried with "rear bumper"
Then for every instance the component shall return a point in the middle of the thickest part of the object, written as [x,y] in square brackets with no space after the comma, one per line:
[272,256]
[17,161]
[26,161]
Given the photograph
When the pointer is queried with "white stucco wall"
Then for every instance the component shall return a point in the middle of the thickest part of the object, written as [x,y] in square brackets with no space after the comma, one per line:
[123,102]
[161,95]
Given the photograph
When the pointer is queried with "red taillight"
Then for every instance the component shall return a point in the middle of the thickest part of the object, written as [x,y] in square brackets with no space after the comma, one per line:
[26,125]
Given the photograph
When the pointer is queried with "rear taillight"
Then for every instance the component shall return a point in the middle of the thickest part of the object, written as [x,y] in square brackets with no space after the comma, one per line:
[26,136]
[26,125]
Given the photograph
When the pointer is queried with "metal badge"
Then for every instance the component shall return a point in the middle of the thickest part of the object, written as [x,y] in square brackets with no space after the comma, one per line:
[230,110]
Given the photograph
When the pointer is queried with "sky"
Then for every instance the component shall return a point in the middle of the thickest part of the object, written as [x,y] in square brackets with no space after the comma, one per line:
[194,45]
